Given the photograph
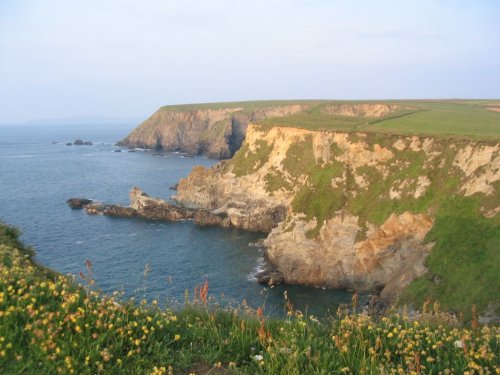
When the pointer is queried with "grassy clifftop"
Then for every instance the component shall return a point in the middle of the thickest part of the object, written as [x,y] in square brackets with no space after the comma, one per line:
[470,118]
[478,119]
[50,325]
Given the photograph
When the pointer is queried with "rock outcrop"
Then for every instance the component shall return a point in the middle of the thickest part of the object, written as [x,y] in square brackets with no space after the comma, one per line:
[78,203]
[336,259]
[344,209]
[146,207]
[216,133]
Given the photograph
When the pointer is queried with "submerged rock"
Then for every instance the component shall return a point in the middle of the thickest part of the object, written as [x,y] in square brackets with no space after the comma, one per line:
[78,203]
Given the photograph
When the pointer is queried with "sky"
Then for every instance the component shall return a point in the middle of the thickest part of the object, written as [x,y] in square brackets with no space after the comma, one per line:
[126,58]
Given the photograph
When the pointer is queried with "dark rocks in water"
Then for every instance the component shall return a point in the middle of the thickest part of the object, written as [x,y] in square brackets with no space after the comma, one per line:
[79,142]
[270,277]
[143,206]
[78,203]
[174,187]
[117,151]
[69,144]
[132,150]
[110,210]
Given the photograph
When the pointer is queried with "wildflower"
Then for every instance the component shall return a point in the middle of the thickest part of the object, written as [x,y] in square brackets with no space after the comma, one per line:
[177,337]
[258,358]
[459,344]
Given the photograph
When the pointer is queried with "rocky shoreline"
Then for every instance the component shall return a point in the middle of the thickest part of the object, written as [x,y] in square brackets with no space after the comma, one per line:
[146,207]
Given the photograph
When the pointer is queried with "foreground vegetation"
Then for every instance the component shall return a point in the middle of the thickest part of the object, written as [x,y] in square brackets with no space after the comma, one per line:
[48,324]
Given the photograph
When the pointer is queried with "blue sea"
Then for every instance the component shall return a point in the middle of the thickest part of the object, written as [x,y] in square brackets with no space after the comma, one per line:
[38,173]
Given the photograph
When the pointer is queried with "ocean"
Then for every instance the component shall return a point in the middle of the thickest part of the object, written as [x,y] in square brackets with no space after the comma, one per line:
[38,173]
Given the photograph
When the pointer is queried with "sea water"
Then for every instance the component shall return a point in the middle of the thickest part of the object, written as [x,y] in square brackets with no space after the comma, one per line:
[139,258]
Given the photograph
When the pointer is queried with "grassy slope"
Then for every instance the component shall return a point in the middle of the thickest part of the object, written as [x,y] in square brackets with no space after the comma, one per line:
[50,325]
[464,264]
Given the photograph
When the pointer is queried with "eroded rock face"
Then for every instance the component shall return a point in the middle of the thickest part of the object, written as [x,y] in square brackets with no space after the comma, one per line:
[481,166]
[215,133]
[155,208]
[263,186]
[336,259]
[242,204]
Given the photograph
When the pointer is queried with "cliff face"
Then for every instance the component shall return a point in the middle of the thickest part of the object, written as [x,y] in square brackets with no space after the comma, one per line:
[346,210]
[217,133]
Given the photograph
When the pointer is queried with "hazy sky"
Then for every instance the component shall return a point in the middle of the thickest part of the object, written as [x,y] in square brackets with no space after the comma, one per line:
[125,58]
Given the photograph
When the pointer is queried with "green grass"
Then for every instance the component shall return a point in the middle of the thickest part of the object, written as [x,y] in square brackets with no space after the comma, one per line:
[463,265]
[52,325]
[246,161]
[439,118]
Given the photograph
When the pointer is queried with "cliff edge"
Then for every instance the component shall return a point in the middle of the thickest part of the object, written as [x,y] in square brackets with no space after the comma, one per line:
[216,132]
[364,211]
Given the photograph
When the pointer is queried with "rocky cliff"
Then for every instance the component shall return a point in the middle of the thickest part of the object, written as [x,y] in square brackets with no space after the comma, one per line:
[217,133]
[348,209]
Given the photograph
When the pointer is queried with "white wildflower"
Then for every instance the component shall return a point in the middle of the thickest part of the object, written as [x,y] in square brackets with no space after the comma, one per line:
[459,344]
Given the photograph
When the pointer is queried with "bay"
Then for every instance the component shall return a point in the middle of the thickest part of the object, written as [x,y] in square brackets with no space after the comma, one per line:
[38,173]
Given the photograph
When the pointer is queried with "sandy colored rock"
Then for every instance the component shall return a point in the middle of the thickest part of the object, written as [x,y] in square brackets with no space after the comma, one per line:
[335,259]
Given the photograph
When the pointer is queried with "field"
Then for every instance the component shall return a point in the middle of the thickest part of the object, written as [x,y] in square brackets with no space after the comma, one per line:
[463,118]
[442,118]
[49,325]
